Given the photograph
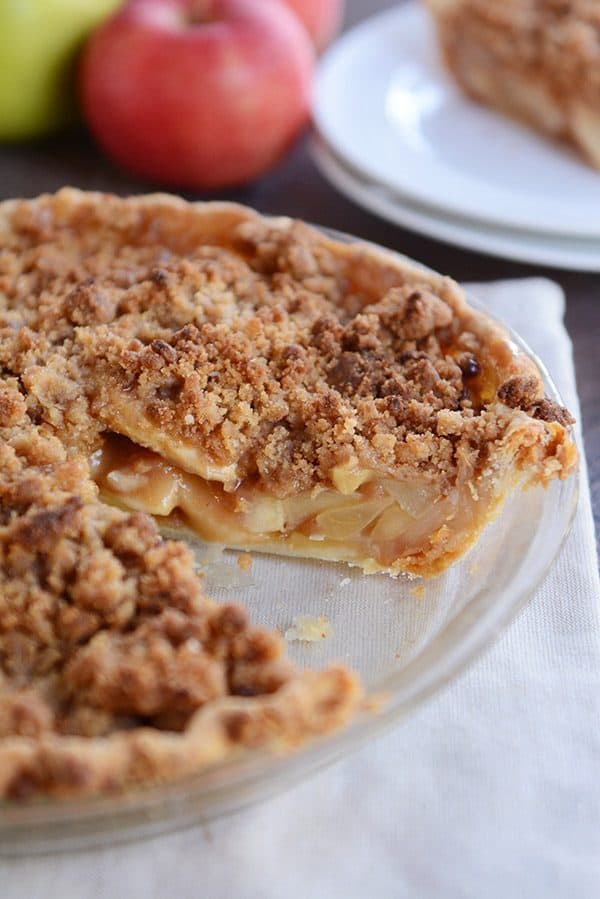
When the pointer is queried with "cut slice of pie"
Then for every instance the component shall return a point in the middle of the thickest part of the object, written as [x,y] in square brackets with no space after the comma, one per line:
[271,388]
[535,60]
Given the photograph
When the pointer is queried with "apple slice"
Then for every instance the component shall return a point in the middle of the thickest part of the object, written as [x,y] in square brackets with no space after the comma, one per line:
[412,498]
[341,523]
[391,524]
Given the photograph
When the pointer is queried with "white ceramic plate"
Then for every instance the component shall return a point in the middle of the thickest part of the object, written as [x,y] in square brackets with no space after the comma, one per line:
[384,104]
[558,252]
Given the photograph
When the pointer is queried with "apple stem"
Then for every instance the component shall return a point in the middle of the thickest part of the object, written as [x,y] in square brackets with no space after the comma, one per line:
[200,12]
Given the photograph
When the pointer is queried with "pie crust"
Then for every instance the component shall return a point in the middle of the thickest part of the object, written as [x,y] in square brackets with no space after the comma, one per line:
[254,380]
[535,60]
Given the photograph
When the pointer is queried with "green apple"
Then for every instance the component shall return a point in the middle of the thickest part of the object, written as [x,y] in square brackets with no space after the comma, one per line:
[39,44]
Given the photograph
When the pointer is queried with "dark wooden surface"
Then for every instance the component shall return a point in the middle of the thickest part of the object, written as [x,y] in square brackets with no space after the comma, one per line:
[296,188]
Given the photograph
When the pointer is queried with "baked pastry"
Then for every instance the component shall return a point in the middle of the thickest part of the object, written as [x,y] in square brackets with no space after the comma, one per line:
[535,60]
[260,384]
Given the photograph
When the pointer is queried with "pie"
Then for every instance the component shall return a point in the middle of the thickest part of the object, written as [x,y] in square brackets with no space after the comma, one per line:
[535,60]
[254,382]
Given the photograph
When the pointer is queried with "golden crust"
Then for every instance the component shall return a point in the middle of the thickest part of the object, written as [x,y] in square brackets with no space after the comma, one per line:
[243,348]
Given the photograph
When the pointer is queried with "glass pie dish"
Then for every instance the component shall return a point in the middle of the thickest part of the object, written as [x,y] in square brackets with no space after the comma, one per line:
[406,638]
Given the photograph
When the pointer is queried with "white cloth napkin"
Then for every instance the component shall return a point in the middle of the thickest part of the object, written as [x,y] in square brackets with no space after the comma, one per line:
[492,790]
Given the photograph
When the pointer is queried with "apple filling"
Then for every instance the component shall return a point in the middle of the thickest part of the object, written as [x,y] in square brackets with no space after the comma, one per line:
[363,518]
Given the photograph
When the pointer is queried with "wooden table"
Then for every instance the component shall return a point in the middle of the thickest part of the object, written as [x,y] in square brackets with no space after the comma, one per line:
[296,188]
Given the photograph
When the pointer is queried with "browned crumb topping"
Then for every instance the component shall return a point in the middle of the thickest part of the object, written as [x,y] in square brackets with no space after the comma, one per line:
[269,352]
[560,38]
[556,15]
[522,392]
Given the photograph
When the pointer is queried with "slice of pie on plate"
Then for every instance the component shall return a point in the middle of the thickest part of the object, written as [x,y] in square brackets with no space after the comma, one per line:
[253,381]
[535,60]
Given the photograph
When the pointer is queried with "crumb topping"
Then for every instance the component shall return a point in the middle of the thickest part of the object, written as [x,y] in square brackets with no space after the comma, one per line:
[558,37]
[263,350]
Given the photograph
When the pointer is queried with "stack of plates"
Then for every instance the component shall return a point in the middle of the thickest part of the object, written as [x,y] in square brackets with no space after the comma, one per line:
[397,137]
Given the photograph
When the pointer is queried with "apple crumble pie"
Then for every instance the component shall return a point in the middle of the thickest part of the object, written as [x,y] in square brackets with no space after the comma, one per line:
[535,60]
[261,385]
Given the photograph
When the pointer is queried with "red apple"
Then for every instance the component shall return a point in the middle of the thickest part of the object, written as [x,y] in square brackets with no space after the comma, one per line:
[197,93]
[321,18]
